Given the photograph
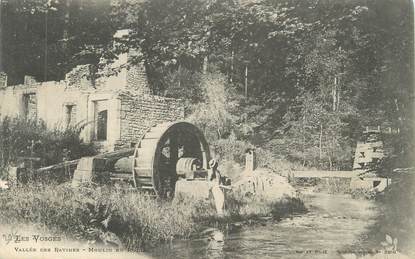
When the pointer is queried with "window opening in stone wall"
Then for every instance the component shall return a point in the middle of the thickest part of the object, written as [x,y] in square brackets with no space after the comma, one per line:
[102,120]
[100,132]
[3,79]
[30,106]
[70,115]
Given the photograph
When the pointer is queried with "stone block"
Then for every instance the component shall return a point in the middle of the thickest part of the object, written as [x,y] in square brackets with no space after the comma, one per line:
[81,176]
[197,189]
[85,176]
[13,174]
[265,184]
[92,164]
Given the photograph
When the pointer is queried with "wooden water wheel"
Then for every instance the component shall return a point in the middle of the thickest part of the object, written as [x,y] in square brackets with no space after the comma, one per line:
[153,164]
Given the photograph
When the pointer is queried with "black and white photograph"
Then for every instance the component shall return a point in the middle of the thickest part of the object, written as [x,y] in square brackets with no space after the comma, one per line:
[157,129]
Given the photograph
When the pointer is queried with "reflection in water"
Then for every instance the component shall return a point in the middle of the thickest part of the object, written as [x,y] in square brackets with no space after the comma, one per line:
[334,223]
[215,248]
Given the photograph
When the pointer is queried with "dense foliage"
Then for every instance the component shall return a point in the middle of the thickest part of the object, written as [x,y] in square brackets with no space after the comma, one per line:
[300,78]
[25,139]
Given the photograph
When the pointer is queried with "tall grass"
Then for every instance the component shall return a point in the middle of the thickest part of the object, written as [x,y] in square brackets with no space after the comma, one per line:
[131,219]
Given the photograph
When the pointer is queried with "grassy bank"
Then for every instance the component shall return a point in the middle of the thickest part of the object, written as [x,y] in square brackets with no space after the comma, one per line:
[334,186]
[96,213]
[328,185]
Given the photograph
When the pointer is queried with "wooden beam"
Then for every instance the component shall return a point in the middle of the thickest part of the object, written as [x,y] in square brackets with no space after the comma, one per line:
[110,155]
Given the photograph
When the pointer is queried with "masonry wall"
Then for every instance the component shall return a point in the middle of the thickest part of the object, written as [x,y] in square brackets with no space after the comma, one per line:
[47,101]
[52,101]
[139,113]
[131,110]
[136,76]
[137,80]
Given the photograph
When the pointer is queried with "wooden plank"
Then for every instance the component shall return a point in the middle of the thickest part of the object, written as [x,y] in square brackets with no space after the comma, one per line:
[62,165]
[325,174]
[123,176]
[146,187]
[117,154]
[29,158]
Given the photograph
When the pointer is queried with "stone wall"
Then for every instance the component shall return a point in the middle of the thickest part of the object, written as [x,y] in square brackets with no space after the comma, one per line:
[137,80]
[140,112]
[3,79]
[136,75]
[30,103]
[29,80]
[46,101]
[80,77]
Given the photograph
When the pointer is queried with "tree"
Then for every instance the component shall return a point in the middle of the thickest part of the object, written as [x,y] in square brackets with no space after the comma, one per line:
[215,114]
[46,39]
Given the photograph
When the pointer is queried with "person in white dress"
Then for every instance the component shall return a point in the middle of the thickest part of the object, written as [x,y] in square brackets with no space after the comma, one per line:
[214,178]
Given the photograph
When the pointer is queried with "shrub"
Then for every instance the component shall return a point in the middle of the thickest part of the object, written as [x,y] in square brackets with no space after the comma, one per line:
[32,138]
[231,149]
[231,153]
[215,116]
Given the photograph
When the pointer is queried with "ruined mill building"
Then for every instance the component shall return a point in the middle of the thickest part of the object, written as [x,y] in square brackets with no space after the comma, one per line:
[113,111]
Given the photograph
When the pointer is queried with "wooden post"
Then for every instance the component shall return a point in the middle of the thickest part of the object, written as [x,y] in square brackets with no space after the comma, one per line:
[1,37]
[46,44]
[205,64]
[65,34]
[174,149]
[338,88]
[320,141]
[334,94]
[246,80]
[232,60]
[303,135]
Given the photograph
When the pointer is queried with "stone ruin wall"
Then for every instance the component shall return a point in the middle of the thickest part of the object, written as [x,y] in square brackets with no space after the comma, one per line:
[3,79]
[80,77]
[137,110]
[139,113]
[133,78]
[137,80]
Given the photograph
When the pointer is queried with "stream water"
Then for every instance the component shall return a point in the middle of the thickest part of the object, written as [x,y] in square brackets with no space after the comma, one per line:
[333,225]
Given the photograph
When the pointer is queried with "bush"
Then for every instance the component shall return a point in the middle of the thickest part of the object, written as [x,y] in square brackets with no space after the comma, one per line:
[231,153]
[32,138]
[231,149]
[216,115]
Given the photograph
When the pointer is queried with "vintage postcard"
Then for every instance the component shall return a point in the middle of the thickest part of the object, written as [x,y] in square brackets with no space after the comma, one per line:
[207,129]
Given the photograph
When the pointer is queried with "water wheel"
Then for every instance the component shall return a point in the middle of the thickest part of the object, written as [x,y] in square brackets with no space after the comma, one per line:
[153,164]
